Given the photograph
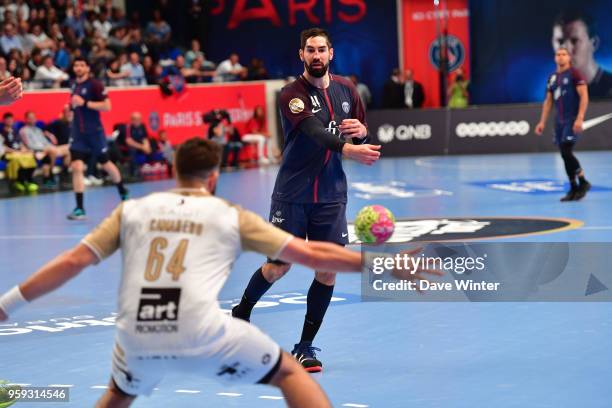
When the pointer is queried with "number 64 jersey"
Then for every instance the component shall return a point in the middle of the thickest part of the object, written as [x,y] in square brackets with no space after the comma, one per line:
[178,248]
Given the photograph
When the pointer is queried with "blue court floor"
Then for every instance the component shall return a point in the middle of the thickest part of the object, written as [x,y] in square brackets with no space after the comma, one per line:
[375,354]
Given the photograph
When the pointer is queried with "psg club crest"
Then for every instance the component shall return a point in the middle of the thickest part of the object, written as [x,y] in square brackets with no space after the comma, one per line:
[154,121]
[456,53]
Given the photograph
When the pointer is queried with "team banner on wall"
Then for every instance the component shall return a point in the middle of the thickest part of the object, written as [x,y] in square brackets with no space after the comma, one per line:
[180,115]
[422,23]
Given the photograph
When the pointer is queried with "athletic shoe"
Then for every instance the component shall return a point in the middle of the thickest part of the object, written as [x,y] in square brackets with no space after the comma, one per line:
[571,195]
[86,181]
[237,316]
[31,187]
[583,189]
[305,354]
[18,185]
[94,181]
[125,195]
[77,214]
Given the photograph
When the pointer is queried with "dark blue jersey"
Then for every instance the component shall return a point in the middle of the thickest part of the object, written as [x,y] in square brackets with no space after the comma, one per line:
[310,173]
[562,86]
[87,121]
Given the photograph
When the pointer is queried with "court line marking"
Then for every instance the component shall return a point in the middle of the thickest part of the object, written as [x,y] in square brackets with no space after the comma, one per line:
[270,397]
[188,391]
[99,387]
[603,227]
[61,385]
[349,404]
[229,394]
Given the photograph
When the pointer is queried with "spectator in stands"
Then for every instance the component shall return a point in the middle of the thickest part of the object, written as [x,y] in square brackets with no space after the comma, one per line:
[9,39]
[457,92]
[102,24]
[61,129]
[20,160]
[166,148]
[256,133]
[158,33]
[55,33]
[100,56]
[257,70]
[75,21]
[225,134]
[23,34]
[393,91]
[230,70]
[138,142]
[43,144]
[154,74]
[35,61]
[4,72]
[118,39]
[194,74]
[362,90]
[136,43]
[414,96]
[40,38]
[62,56]
[19,8]
[49,75]
[114,75]
[135,71]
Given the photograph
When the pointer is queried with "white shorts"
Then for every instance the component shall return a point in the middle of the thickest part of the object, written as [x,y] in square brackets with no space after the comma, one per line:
[246,356]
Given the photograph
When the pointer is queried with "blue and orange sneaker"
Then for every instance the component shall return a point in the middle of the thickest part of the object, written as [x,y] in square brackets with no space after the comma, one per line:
[305,354]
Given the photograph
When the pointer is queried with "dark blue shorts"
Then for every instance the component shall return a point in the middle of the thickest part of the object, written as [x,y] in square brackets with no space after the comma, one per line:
[93,144]
[564,133]
[317,221]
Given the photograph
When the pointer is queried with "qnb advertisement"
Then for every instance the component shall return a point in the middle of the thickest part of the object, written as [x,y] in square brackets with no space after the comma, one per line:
[487,272]
[422,24]
[180,115]
[495,129]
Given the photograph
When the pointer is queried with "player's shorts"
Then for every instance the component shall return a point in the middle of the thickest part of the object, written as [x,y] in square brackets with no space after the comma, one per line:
[85,146]
[315,221]
[564,133]
[244,355]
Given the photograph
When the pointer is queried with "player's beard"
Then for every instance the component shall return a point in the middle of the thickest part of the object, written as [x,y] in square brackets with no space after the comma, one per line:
[318,72]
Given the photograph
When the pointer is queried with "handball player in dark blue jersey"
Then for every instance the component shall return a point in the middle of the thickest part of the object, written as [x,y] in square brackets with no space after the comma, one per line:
[567,90]
[88,98]
[323,121]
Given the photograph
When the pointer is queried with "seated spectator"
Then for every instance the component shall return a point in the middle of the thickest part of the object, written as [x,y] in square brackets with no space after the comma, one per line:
[194,53]
[158,33]
[20,160]
[256,132]
[230,70]
[166,148]
[102,25]
[75,21]
[43,144]
[35,60]
[62,56]
[118,39]
[225,134]
[23,34]
[4,72]
[194,74]
[134,140]
[100,56]
[114,75]
[61,129]
[50,75]
[135,71]
[136,43]
[9,39]
[257,70]
[40,38]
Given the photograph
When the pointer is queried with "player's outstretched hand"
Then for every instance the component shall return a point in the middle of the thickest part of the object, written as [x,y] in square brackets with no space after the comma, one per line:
[539,129]
[577,128]
[365,154]
[418,274]
[11,90]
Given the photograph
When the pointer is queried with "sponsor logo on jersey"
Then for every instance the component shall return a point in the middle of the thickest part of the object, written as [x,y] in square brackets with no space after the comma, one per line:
[465,229]
[157,310]
[346,107]
[296,105]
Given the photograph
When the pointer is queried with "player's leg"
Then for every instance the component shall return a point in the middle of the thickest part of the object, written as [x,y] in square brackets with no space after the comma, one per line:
[327,222]
[114,397]
[51,155]
[78,183]
[299,389]
[114,174]
[290,218]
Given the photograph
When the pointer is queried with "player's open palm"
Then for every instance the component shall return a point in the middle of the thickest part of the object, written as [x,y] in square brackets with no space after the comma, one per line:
[365,154]
[11,90]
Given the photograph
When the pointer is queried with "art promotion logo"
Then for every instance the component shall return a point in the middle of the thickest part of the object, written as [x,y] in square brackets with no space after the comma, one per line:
[456,53]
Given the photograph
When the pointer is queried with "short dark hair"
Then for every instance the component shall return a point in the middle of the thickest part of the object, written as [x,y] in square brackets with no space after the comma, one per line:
[571,15]
[314,32]
[7,115]
[196,157]
[80,59]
